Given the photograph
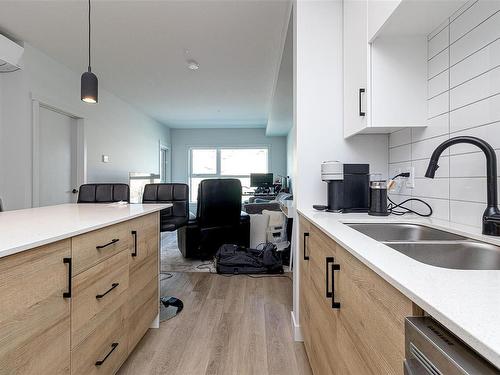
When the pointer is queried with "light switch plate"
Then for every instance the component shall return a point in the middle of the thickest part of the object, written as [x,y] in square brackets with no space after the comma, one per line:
[105,158]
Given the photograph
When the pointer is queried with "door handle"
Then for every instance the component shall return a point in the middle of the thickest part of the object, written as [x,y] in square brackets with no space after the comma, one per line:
[68,262]
[113,347]
[306,235]
[134,233]
[114,240]
[361,112]
[113,286]
[335,267]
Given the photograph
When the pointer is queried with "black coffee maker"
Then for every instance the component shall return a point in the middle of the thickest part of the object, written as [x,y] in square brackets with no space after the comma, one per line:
[348,186]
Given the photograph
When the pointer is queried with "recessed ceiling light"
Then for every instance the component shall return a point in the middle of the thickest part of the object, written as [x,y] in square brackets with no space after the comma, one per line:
[193,65]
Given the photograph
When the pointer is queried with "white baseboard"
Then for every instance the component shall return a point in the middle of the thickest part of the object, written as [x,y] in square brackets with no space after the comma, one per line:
[297,333]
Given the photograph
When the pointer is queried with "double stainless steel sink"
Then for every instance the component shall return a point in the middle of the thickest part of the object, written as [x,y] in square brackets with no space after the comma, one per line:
[432,246]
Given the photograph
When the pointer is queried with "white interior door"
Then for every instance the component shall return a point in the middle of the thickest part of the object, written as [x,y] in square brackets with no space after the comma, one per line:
[57,157]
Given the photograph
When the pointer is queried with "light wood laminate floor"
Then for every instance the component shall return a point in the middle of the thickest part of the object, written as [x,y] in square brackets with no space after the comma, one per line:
[230,325]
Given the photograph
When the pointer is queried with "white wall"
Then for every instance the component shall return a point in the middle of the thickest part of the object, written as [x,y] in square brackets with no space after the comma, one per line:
[291,144]
[463,99]
[113,127]
[318,103]
[183,139]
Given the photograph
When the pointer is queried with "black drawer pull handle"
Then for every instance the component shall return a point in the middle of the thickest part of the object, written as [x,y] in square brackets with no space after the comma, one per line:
[113,286]
[134,233]
[329,294]
[361,92]
[114,240]
[335,267]
[113,347]
[306,234]
[68,293]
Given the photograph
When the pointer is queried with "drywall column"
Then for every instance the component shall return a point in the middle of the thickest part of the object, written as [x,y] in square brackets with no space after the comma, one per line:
[318,107]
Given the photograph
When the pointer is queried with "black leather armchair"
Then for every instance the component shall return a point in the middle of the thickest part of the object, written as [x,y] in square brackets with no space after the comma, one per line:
[176,216]
[103,193]
[219,219]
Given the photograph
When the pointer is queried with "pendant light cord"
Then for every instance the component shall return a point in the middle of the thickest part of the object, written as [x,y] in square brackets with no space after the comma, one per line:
[89,37]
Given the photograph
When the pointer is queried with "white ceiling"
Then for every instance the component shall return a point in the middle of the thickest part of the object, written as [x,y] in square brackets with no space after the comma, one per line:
[139,53]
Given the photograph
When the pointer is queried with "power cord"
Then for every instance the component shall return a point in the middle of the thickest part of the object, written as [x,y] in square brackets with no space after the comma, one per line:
[392,206]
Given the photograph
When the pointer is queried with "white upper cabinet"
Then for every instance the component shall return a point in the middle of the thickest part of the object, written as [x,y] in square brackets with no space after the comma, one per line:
[385,62]
[355,67]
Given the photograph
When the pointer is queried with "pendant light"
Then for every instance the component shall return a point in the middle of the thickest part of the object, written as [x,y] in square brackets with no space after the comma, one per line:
[89,80]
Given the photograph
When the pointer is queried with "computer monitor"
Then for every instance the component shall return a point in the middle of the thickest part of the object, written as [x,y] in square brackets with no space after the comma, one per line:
[261,179]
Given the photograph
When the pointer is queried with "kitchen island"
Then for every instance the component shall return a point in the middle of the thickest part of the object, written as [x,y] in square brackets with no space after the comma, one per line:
[376,287]
[79,286]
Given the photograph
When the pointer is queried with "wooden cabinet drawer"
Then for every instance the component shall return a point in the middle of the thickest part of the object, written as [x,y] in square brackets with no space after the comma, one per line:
[97,294]
[108,344]
[91,248]
[34,316]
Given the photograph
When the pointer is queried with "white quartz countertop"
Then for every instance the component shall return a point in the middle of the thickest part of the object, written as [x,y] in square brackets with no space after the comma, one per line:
[25,229]
[467,302]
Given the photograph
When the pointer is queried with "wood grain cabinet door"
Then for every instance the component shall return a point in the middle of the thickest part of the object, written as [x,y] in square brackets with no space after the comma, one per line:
[372,317]
[304,287]
[34,316]
[143,294]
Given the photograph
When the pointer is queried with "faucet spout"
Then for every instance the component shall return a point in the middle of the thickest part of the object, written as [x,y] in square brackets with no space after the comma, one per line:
[491,216]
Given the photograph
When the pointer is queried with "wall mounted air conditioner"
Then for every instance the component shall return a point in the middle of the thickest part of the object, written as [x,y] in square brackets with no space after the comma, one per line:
[10,55]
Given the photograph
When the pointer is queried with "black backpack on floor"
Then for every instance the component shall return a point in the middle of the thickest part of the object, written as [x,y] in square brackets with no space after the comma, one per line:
[234,259]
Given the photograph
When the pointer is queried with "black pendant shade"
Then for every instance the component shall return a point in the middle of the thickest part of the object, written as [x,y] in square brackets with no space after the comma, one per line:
[89,84]
[89,87]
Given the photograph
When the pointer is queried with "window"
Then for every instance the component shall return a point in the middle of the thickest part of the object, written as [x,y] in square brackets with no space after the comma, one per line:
[218,162]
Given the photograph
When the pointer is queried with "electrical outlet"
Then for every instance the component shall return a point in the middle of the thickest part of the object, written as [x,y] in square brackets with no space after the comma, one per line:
[410,181]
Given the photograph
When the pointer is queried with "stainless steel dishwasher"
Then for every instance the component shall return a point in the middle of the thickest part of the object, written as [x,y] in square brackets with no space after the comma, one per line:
[433,350]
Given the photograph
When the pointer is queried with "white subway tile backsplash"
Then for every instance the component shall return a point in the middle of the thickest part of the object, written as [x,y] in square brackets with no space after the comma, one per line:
[490,132]
[469,165]
[438,105]
[431,188]
[440,207]
[476,14]
[479,88]
[439,63]
[400,137]
[468,213]
[464,99]
[442,172]
[424,149]
[461,10]
[438,84]
[476,64]
[477,38]
[438,43]
[400,154]
[435,127]
[468,189]
[480,113]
